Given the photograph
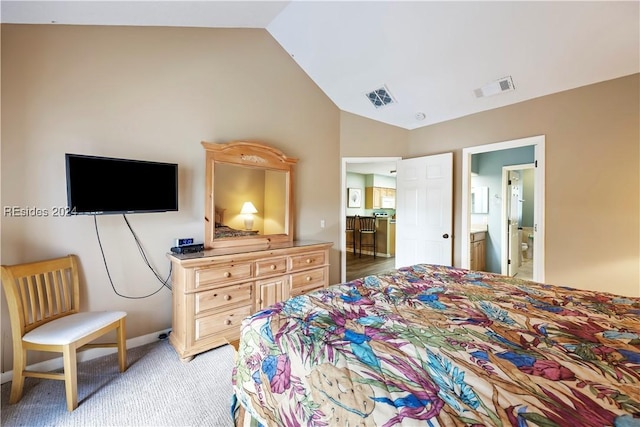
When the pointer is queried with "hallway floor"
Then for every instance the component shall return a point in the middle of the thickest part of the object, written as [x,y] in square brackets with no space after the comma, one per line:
[366,265]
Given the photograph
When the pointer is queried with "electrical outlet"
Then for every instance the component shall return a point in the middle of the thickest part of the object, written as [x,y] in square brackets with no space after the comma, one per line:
[322,223]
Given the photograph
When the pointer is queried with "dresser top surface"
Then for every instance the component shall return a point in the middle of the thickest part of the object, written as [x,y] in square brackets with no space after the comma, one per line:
[236,250]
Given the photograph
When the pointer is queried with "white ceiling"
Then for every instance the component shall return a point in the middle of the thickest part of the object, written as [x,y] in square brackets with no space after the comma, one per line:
[430,55]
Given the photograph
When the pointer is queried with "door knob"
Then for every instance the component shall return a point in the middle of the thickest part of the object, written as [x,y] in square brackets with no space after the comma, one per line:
[445,236]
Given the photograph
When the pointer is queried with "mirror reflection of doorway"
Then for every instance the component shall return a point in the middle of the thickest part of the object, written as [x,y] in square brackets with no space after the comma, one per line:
[518,221]
[514,219]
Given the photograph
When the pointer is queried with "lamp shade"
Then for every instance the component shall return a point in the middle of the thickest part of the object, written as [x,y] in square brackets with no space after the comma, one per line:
[248,208]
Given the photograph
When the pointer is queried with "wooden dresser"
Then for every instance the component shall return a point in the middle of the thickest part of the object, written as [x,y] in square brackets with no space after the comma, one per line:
[214,290]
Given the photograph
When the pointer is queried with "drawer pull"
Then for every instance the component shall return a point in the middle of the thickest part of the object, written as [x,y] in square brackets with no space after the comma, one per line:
[308,278]
[273,266]
[309,260]
[227,297]
[227,322]
[227,274]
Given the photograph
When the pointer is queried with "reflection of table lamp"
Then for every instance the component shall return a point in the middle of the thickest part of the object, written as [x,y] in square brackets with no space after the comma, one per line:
[248,210]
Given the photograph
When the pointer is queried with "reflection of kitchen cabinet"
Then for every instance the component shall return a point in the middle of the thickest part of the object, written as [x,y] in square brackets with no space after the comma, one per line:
[380,198]
[477,252]
[371,198]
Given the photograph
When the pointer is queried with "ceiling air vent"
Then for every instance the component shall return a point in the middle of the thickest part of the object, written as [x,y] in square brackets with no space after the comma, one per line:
[380,97]
[504,84]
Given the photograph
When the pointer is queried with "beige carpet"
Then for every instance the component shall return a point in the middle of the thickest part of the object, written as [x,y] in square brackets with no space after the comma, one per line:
[156,390]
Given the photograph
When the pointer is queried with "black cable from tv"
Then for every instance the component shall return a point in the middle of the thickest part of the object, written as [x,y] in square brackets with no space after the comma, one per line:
[144,257]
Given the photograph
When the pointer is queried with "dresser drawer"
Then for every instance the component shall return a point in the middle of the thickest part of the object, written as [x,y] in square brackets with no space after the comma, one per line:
[307,279]
[221,298]
[311,259]
[222,274]
[299,291]
[266,267]
[215,323]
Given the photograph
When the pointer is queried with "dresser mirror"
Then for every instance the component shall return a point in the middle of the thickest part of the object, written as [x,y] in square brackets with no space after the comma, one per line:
[248,195]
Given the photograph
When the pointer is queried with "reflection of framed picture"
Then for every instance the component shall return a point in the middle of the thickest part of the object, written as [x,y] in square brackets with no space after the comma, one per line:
[355,197]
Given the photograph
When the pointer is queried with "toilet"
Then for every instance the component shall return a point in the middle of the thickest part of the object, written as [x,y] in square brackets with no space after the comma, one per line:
[526,244]
[530,247]
[522,249]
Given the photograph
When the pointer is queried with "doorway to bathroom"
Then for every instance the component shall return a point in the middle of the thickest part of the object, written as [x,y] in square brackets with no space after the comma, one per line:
[497,234]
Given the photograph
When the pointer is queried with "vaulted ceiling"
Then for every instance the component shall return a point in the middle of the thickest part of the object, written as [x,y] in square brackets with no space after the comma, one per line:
[432,58]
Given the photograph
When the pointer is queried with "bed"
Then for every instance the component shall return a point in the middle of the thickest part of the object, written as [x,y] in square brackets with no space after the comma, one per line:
[432,345]
[226,231]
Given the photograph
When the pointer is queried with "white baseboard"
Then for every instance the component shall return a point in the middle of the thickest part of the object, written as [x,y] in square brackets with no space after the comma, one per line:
[91,353]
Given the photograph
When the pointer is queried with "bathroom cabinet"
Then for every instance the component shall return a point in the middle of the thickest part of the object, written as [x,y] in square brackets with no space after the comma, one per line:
[477,251]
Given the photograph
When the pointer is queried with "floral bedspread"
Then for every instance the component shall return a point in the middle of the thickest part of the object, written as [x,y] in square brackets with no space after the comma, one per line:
[447,347]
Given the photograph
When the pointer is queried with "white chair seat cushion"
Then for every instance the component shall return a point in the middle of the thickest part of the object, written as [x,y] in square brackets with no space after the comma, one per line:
[68,329]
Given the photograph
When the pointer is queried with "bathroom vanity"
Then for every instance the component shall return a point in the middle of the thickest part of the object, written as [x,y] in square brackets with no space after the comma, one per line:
[477,250]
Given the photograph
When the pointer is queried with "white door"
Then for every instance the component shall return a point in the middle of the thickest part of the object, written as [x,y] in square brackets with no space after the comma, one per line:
[424,210]
[514,209]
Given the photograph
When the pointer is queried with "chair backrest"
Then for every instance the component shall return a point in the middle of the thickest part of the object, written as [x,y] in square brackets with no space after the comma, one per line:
[351,223]
[39,292]
[367,223]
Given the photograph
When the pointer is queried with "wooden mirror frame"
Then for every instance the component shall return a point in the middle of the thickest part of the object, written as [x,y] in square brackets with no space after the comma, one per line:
[248,154]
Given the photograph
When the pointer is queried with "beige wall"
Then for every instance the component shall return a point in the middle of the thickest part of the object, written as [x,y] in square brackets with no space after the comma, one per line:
[592,192]
[363,137]
[154,94]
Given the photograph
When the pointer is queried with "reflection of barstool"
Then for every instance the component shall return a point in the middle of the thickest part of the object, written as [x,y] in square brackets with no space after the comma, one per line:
[367,225]
[351,228]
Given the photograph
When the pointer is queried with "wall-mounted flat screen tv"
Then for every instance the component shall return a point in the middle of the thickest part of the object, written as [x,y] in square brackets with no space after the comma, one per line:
[104,185]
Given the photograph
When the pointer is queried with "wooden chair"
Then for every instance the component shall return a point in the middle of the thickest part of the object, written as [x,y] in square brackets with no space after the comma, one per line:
[367,226]
[351,228]
[43,299]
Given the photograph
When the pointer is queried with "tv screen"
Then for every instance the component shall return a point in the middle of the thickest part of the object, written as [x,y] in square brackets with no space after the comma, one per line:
[103,185]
